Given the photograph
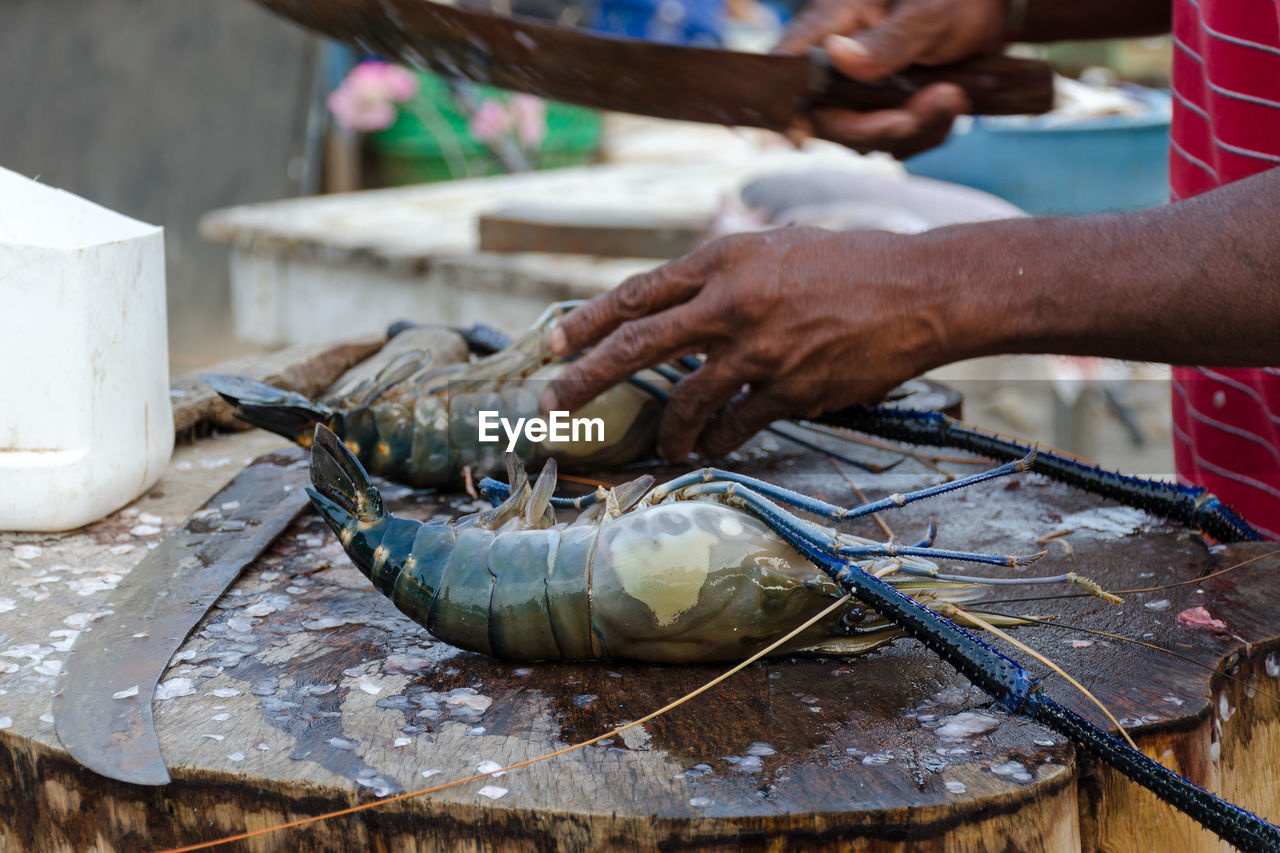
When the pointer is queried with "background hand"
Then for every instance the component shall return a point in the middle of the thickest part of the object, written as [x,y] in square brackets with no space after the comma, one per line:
[872,39]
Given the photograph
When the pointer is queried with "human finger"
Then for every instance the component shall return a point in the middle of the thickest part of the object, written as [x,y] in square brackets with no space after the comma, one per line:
[638,296]
[821,18]
[631,347]
[742,418]
[869,131]
[695,399]
[903,38]
[921,123]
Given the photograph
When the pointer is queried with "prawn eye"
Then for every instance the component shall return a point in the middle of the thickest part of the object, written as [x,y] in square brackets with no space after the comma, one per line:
[859,616]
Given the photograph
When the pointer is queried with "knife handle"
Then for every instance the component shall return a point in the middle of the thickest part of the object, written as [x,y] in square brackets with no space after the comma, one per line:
[996,85]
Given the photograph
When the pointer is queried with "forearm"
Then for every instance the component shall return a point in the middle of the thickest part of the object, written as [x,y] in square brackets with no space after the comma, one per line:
[814,320]
[1193,283]
[1056,20]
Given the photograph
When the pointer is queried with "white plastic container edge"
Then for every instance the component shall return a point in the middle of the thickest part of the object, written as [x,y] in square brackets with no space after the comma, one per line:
[85,418]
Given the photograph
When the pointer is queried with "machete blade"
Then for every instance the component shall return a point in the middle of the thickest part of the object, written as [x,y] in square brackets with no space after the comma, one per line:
[608,72]
[102,714]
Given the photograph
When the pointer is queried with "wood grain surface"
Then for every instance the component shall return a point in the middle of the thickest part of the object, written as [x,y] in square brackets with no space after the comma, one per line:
[304,691]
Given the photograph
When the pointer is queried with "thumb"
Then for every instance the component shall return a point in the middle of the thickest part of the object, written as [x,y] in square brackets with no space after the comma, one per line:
[879,51]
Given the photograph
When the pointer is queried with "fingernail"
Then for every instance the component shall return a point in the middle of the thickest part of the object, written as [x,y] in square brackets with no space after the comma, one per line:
[548,401]
[835,42]
[559,343]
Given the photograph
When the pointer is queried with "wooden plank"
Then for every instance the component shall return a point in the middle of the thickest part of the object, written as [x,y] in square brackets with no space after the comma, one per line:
[603,232]
[309,692]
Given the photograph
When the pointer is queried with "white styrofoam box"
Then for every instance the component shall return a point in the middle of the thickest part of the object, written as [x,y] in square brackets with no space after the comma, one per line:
[85,419]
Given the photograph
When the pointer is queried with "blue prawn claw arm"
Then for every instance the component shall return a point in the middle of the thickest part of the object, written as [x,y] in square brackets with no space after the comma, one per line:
[1187,505]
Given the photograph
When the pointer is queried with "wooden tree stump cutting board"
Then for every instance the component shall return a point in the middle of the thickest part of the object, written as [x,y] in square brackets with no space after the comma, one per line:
[304,691]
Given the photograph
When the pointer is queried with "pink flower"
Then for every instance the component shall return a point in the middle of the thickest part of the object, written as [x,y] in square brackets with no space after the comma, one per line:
[1198,617]
[360,113]
[382,80]
[401,83]
[366,99]
[490,122]
[524,115]
[529,114]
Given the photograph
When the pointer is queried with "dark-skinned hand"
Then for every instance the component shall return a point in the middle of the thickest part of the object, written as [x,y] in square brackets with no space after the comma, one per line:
[806,320]
[869,40]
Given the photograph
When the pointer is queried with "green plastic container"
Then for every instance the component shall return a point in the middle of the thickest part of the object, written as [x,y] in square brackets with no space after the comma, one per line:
[429,140]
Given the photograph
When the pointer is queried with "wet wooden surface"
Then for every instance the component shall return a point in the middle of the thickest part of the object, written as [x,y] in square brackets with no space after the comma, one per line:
[304,691]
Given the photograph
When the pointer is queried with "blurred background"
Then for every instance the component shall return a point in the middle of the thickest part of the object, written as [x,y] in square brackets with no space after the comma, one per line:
[308,191]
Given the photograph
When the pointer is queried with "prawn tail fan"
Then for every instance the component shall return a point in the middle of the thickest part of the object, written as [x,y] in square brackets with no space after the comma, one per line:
[283,412]
[341,489]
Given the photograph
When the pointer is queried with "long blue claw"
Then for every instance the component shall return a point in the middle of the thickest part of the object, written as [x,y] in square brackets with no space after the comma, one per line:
[829,510]
[861,551]
[1190,506]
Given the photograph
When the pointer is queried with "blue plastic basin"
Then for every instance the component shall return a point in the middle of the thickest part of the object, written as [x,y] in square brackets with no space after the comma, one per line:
[1108,163]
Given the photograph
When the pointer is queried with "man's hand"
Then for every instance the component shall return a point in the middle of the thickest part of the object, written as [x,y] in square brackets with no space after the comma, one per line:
[808,320]
[872,39]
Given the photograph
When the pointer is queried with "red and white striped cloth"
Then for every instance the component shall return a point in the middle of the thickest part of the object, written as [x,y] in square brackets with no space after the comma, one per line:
[1226,126]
